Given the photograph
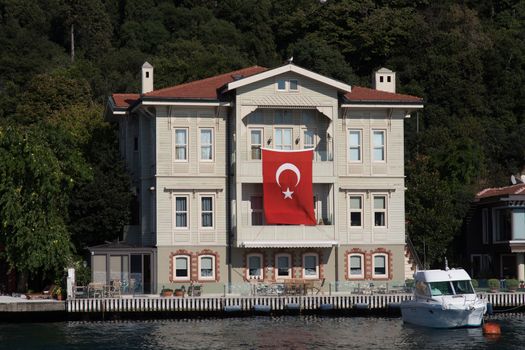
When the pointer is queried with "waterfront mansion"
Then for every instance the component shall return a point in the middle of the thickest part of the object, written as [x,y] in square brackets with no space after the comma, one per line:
[194,154]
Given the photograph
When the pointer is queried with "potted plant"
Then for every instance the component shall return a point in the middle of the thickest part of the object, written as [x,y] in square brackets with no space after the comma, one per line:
[512,285]
[166,292]
[493,285]
[57,292]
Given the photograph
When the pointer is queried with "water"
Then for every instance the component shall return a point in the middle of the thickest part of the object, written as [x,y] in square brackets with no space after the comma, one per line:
[286,332]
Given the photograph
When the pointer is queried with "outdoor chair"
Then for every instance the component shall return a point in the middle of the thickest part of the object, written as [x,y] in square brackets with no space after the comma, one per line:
[115,288]
[195,290]
[318,288]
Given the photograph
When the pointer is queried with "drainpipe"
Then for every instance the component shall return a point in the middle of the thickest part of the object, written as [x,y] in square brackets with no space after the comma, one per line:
[229,178]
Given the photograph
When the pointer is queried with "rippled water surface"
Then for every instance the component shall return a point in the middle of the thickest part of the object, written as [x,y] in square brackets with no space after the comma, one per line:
[286,332]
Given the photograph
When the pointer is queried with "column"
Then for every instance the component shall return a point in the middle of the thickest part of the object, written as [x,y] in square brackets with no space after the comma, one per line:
[520,260]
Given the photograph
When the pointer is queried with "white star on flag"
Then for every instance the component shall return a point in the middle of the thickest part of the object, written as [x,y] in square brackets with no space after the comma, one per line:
[287,193]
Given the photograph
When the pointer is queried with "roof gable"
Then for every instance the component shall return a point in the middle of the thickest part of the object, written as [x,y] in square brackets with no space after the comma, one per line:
[289,68]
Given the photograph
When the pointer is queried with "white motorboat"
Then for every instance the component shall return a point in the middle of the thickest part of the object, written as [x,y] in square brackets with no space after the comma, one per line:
[444,299]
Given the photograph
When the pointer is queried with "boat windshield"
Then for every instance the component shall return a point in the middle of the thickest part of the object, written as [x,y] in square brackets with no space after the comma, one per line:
[441,288]
[463,287]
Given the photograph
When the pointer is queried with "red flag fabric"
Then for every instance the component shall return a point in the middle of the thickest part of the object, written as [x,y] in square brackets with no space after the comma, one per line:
[287,187]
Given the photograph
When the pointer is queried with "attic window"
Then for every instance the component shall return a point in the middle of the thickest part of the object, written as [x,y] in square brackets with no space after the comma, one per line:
[281,85]
[294,85]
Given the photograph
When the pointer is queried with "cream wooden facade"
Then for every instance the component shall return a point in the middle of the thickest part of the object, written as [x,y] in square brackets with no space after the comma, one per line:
[307,110]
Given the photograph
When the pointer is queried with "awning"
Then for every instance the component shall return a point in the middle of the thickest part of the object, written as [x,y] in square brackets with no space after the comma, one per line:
[288,244]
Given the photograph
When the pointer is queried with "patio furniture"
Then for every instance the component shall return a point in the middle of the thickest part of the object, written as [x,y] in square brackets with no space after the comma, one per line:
[115,289]
[95,290]
[195,290]
[318,288]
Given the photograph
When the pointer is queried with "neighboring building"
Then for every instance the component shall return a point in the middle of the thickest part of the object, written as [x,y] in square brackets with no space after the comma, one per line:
[495,240]
[194,152]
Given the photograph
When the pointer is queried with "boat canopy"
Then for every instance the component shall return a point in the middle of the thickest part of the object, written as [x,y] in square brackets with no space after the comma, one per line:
[441,275]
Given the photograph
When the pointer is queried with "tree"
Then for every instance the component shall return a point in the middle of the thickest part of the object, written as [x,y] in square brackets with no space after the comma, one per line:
[33,198]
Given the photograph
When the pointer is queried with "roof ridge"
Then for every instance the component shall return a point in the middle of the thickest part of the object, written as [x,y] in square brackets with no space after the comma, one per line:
[151,93]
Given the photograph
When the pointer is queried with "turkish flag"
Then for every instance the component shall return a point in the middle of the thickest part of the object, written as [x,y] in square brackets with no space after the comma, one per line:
[287,187]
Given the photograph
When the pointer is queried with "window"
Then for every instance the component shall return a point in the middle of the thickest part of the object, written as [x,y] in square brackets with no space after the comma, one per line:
[135,144]
[207,212]
[379,269]
[379,146]
[283,117]
[310,266]
[518,224]
[381,79]
[282,264]
[309,137]
[354,145]
[281,85]
[206,267]
[388,78]
[181,144]
[283,139]
[182,267]
[206,144]
[502,224]
[356,211]
[294,85]
[355,266]
[256,140]
[181,212]
[485,225]
[379,211]
[255,266]
[256,203]
[288,85]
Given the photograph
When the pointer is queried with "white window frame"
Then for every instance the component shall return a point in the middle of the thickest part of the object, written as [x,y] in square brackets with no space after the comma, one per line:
[186,131]
[290,265]
[361,257]
[211,145]
[257,210]
[385,256]
[381,210]
[277,85]
[289,81]
[187,197]
[199,263]
[352,210]
[316,276]
[485,225]
[188,264]
[351,146]
[254,277]
[282,139]
[201,211]
[251,145]
[383,146]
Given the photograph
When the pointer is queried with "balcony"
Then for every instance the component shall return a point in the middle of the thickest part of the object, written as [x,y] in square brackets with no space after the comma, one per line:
[286,236]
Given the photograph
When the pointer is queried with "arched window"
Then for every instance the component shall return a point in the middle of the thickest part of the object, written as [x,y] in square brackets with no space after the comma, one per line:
[356,268]
[380,266]
[206,267]
[254,268]
[283,266]
[181,268]
[311,266]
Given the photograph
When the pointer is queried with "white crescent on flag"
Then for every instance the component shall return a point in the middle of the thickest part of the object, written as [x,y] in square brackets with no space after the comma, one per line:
[287,166]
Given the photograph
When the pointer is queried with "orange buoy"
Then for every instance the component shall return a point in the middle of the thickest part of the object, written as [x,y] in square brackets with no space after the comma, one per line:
[491,328]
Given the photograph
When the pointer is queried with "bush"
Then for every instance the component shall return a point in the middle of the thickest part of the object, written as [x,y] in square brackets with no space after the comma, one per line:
[512,284]
[493,283]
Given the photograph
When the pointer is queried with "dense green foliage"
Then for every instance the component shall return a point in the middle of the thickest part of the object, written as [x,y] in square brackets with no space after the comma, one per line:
[61,191]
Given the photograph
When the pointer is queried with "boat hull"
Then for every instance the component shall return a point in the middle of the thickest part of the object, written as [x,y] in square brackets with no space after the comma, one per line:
[435,316]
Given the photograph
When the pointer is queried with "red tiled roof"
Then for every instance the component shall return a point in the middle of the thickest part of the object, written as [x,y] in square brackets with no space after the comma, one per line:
[501,191]
[124,100]
[204,88]
[361,94]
